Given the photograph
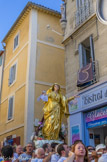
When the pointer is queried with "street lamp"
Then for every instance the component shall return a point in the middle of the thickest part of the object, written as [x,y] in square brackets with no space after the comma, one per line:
[49,28]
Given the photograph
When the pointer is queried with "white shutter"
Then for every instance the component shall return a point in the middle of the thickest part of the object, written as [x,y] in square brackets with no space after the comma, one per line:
[10,109]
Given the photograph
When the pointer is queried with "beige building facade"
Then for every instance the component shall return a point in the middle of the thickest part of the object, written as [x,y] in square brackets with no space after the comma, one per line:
[34,60]
[86,70]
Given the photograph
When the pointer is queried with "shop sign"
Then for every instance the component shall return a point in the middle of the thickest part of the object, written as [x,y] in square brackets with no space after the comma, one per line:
[96,118]
[94,97]
[73,105]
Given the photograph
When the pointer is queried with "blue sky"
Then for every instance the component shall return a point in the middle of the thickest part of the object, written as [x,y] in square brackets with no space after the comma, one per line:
[10,10]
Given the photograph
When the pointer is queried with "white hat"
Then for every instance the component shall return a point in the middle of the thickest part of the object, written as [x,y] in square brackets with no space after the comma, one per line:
[100,146]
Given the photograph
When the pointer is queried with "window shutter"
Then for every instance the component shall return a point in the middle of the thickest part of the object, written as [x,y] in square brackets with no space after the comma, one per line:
[10,109]
[13,72]
[84,60]
[92,48]
[16,41]
[80,55]
[10,76]
[77,4]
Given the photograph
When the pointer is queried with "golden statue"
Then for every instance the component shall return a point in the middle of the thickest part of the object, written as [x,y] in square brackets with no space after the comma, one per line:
[54,109]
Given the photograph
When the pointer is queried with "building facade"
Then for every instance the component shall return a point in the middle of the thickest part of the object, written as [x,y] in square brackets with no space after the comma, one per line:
[86,71]
[34,60]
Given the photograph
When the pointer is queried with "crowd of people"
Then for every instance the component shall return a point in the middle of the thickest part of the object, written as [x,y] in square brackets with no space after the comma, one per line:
[54,152]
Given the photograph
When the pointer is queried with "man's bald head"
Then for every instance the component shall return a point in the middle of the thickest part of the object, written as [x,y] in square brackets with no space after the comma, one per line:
[19,149]
[40,153]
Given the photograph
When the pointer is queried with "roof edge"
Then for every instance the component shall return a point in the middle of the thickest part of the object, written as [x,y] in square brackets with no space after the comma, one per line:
[28,7]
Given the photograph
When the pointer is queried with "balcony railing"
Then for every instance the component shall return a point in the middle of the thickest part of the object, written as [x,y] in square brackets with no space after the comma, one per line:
[88,75]
[84,12]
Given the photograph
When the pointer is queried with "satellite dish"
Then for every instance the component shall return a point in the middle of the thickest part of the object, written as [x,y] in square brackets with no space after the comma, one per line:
[101,11]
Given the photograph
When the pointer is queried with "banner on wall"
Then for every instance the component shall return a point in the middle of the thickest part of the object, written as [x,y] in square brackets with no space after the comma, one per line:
[75,131]
[96,118]
[85,75]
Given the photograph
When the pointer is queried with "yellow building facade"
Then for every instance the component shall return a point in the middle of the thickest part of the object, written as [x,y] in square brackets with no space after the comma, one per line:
[34,60]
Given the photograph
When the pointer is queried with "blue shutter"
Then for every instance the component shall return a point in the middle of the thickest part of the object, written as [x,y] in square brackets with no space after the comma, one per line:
[92,48]
[77,4]
[80,55]
[84,59]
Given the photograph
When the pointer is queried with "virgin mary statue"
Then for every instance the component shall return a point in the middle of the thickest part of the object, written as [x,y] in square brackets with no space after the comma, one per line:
[54,109]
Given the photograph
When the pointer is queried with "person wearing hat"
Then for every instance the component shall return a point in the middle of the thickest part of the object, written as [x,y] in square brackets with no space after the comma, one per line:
[100,149]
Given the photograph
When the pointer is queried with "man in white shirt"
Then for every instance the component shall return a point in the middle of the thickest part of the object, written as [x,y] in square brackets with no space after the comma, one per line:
[63,151]
[28,154]
[40,156]
[19,151]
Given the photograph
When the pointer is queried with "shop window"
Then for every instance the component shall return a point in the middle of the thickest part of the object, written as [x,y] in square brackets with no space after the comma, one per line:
[97,139]
[16,41]
[10,108]
[12,74]
[86,52]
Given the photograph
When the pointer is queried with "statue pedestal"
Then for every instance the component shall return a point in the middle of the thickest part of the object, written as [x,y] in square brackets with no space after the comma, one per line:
[39,143]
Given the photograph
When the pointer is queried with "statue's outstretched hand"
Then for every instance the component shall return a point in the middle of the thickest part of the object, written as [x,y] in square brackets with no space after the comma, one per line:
[43,97]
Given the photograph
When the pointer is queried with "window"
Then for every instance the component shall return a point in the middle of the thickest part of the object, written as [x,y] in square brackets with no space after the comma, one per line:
[10,108]
[16,41]
[79,3]
[1,60]
[86,52]
[84,9]
[12,74]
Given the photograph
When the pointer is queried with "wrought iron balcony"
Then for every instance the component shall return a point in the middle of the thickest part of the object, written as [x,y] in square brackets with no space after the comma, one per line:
[84,12]
[88,75]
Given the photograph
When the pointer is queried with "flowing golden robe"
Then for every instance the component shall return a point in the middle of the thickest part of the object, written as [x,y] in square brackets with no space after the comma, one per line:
[54,109]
